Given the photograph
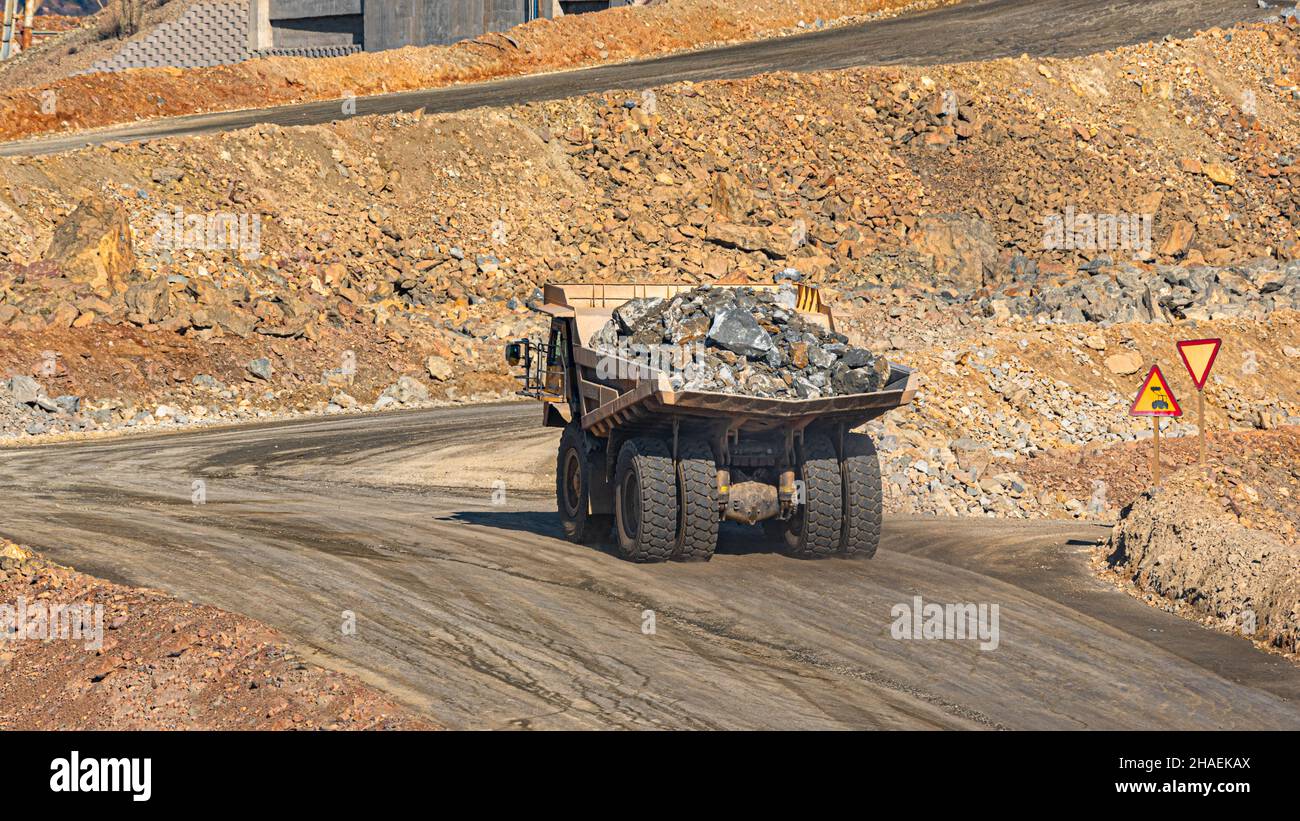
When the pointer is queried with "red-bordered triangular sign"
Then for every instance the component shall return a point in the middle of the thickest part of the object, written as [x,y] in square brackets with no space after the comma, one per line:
[1198,355]
[1155,398]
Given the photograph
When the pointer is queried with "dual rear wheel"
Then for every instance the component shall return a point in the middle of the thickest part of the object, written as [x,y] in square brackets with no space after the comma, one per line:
[841,507]
[645,501]
[670,510]
[666,510]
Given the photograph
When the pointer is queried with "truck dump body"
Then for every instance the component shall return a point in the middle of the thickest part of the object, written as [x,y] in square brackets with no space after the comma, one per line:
[649,406]
[644,399]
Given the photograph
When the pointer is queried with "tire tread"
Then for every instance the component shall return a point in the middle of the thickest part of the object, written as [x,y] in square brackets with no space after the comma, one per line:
[698,497]
[863,499]
[823,501]
[657,537]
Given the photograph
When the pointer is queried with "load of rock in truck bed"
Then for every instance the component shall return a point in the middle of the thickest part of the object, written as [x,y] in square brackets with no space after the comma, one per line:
[743,341]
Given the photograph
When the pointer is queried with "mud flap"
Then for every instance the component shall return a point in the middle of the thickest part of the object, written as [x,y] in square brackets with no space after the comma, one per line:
[556,415]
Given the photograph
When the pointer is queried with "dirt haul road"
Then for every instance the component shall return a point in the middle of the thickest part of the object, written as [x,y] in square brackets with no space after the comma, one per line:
[479,615]
[972,30]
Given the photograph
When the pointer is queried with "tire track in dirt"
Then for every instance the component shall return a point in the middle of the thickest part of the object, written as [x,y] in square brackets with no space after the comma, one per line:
[480,616]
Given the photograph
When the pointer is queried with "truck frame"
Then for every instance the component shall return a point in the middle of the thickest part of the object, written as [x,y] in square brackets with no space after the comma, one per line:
[665,467]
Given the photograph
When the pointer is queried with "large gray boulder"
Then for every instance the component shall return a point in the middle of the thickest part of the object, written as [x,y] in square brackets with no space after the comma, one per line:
[736,330]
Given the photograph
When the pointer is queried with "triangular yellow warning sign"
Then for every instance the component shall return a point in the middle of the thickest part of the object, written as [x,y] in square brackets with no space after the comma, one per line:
[1198,355]
[1155,398]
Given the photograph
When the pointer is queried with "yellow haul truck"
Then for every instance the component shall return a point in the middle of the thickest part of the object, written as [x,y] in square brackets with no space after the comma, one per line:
[664,467]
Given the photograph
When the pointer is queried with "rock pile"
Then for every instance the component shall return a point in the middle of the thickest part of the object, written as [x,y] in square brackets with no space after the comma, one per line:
[940,210]
[1128,293]
[743,341]
[27,409]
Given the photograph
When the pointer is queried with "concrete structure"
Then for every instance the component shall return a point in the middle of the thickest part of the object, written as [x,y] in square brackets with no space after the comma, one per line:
[288,26]
[375,25]
[217,32]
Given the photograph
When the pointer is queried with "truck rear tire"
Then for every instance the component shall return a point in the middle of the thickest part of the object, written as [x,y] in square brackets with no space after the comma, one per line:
[863,503]
[645,501]
[697,501]
[814,531]
[573,491]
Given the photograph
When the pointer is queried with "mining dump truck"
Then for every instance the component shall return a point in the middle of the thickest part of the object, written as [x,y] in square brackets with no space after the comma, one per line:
[665,467]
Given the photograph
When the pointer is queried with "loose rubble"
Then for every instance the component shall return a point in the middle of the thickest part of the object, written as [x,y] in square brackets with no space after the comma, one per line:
[743,341]
[1107,294]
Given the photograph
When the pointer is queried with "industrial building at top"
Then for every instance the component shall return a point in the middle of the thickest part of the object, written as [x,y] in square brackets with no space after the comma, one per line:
[217,32]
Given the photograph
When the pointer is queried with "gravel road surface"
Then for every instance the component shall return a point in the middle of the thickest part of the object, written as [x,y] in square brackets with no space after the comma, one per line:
[481,616]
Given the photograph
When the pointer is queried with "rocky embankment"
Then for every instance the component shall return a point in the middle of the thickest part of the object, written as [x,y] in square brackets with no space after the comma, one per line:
[1222,547]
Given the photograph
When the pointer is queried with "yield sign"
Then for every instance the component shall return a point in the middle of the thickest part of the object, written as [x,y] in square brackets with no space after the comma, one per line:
[1155,398]
[1198,355]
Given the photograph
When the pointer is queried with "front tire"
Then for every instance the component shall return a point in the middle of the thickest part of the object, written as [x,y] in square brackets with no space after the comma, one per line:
[573,490]
[645,501]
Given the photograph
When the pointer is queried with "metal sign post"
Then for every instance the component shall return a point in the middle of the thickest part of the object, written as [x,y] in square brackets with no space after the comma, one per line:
[1155,450]
[1200,423]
